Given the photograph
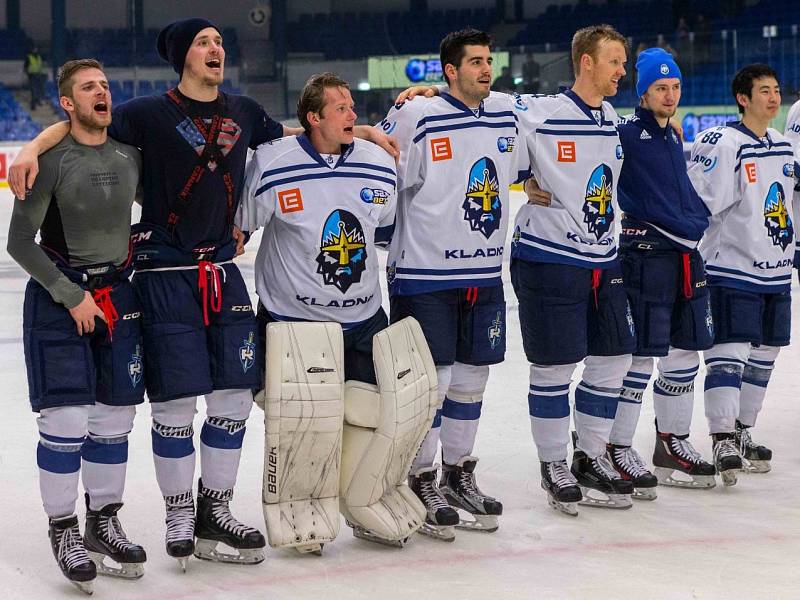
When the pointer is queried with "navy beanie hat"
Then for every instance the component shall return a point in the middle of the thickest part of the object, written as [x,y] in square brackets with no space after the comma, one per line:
[654,64]
[176,38]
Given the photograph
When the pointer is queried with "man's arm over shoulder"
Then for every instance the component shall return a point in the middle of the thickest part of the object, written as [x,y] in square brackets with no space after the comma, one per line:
[712,169]
[265,128]
[257,206]
[404,122]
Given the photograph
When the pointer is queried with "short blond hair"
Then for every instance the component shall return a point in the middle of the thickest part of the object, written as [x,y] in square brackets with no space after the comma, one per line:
[68,70]
[587,41]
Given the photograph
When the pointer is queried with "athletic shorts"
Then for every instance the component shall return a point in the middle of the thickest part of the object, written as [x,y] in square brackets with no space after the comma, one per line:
[66,369]
[467,325]
[358,363]
[186,357]
[669,300]
[741,316]
[568,313]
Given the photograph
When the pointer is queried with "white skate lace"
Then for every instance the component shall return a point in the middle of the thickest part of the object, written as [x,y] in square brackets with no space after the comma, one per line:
[432,496]
[223,517]
[685,450]
[604,466]
[630,461]
[725,448]
[560,474]
[112,533]
[180,522]
[70,548]
[745,441]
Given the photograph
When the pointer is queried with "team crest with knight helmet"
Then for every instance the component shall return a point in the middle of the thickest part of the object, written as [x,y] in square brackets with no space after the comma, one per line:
[482,205]
[776,217]
[135,368]
[598,213]
[342,254]
[247,352]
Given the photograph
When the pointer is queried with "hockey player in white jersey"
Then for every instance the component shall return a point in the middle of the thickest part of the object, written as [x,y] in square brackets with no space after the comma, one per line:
[567,277]
[744,172]
[459,154]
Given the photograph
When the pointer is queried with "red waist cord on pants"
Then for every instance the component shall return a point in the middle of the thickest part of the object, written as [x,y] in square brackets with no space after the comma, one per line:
[208,277]
[472,295]
[102,297]
[596,275]
[688,290]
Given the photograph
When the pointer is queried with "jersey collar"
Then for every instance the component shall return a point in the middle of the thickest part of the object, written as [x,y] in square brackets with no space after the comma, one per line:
[461,106]
[739,126]
[306,145]
[587,110]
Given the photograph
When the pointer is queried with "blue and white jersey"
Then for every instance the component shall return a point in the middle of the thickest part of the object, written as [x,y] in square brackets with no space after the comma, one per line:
[793,133]
[317,259]
[456,166]
[746,183]
[575,155]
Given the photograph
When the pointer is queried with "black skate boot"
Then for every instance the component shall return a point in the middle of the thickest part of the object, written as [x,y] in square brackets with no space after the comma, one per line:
[105,538]
[598,474]
[756,457]
[441,518]
[216,524]
[563,491]
[459,487]
[70,553]
[675,453]
[180,527]
[727,459]
[631,467]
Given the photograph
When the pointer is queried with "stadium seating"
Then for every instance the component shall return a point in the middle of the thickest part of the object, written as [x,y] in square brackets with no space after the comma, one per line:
[15,122]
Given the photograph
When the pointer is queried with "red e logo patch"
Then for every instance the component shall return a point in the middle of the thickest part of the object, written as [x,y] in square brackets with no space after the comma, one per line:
[290,200]
[750,170]
[566,151]
[440,149]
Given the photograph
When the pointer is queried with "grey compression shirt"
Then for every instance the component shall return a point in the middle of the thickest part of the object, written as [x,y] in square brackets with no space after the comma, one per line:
[81,202]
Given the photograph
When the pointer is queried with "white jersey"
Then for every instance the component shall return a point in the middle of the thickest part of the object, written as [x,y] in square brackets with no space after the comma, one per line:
[575,155]
[746,184]
[317,259]
[793,133]
[456,166]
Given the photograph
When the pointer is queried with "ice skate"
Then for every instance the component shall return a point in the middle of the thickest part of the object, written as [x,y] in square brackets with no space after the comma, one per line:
[459,487]
[727,459]
[442,518]
[756,458]
[599,476]
[104,539]
[70,553]
[180,527]
[563,491]
[215,524]
[631,467]
[674,453]
[365,534]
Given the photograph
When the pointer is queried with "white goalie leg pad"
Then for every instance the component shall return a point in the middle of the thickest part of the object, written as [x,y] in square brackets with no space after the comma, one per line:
[304,411]
[384,428]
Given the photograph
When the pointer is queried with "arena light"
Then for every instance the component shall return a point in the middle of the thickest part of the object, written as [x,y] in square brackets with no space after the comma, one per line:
[364,86]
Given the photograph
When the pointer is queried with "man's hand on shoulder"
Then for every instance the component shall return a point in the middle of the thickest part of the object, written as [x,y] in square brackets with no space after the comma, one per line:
[376,136]
[427,91]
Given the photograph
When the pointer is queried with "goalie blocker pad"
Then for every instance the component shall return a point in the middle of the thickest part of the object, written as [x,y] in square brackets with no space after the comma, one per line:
[303,415]
[383,430]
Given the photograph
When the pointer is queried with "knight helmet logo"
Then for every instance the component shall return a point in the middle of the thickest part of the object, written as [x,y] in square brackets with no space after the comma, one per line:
[482,206]
[135,368]
[342,254]
[495,331]
[598,213]
[247,352]
[776,217]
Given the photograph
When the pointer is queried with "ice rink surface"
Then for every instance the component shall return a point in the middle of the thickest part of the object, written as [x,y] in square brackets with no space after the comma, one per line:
[739,542]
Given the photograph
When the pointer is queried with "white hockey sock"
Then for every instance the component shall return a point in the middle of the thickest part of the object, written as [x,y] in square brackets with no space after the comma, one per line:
[173,449]
[426,455]
[724,367]
[630,401]
[548,406]
[222,436]
[461,411]
[755,379]
[596,399]
[673,391]
[105,453]
[62,431]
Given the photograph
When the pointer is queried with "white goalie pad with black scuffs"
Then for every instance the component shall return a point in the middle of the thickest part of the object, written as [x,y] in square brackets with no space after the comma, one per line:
[304,411]
[384,427]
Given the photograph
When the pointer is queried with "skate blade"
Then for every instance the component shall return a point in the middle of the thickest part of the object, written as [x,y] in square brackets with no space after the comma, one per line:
[183,562]
[599,499]
[694,482]
[87,587]
[445,533]
[315,549]
[729,477]
[644,494]
[364,534]
[484,523]
[207,550]
[568,508]
[124,570]
[756,466]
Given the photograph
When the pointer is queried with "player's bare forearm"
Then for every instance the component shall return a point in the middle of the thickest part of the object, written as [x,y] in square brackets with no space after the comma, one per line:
[376,136]
[292,130]
[25,168]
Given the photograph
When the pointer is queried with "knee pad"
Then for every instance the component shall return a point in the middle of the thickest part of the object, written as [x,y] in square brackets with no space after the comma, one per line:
[606,372]
[304,413]
[229,404]
[64,421]
[107,421]
[384,427]
[467,383]
[174,413]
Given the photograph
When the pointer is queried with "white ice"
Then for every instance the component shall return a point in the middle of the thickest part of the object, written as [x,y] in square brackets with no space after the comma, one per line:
[739,542]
